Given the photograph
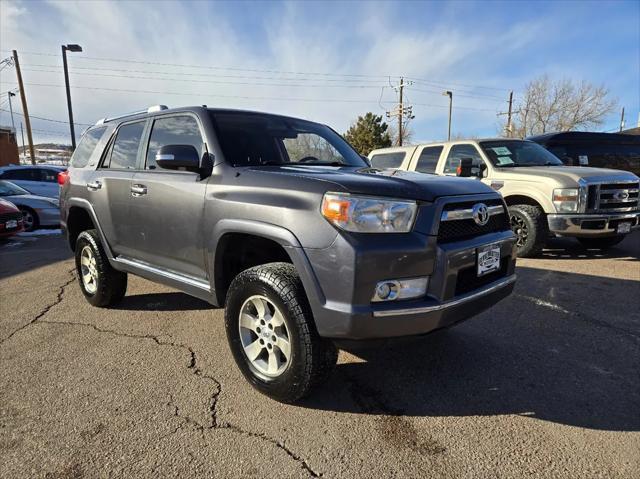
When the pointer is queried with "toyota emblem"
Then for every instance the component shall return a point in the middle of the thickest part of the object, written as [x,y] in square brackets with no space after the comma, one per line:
[480,214]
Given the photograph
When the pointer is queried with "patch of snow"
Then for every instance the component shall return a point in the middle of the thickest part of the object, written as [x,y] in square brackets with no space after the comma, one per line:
[40,233]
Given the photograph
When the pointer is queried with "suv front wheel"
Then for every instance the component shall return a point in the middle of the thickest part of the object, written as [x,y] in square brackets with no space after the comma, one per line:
[271,333]
[100,283]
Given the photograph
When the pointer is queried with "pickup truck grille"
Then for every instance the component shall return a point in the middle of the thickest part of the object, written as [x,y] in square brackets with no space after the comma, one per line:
[452,229]
[613,197]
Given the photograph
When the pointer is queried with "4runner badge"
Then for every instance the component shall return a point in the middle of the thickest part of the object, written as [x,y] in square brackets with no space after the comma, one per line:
[480,214]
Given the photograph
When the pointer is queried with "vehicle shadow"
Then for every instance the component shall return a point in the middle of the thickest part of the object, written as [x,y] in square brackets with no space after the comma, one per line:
[170,301]
[20,254]
[569,248]
[551,351]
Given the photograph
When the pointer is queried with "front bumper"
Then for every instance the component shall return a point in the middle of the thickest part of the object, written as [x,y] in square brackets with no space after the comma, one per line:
[591,225]
[48,216]
[349,272]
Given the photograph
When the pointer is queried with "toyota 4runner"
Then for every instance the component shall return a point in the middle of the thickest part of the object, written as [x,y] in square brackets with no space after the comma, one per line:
[284,224]
[597,206]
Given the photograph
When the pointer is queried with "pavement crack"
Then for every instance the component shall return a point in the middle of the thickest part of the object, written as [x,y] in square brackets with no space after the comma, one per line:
[46,309]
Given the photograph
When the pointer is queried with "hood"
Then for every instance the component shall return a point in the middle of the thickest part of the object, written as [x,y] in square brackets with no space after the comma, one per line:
[33,199]
[389,182]
[567,175]
[7,207]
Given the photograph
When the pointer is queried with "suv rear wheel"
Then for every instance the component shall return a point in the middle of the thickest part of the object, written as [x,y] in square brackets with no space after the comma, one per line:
[601,243]
[529,224]
[271,333]
[100,283]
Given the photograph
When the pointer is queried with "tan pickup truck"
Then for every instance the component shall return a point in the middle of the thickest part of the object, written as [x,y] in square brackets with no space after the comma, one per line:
[545,198]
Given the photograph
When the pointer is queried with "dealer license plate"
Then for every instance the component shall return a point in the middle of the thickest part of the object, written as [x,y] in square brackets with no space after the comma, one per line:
[488,259]
[624,228]
[11,224]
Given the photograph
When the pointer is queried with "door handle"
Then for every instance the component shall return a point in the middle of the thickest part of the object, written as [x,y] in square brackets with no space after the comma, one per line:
[93,186]
[138,190]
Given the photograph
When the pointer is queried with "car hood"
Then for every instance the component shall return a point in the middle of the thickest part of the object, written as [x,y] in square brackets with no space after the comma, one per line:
[30,199]
[388,182]
[569,175]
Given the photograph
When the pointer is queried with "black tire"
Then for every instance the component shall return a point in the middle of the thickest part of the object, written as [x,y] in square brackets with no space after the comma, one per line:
[110,285]
[601,243]
[529,224]
[312,358]
[35,221]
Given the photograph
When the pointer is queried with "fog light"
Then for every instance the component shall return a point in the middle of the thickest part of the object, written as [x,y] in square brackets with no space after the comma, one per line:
[393,289]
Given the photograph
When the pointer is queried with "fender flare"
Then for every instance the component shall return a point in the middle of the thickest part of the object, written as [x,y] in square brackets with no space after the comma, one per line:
[280,235]
[85,205]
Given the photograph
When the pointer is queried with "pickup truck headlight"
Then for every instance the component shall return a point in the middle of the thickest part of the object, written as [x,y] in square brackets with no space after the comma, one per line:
[368,214]
[566,200]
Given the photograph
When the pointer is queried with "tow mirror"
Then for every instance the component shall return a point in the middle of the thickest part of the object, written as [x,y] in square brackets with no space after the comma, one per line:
[465,168]
[178,157]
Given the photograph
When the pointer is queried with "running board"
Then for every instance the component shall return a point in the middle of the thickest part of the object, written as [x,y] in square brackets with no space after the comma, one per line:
[165,273]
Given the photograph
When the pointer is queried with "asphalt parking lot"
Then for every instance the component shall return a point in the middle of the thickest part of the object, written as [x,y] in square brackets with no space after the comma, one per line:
[545,384]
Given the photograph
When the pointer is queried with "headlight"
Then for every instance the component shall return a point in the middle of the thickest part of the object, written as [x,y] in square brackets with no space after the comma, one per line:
[368,214]
[566,200]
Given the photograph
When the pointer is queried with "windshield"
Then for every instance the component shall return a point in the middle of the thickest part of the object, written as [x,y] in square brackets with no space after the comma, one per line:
[514,153]
[10,189]
[254,139]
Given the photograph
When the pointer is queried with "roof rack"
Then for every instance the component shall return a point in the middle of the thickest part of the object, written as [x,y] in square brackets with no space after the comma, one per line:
[151,109]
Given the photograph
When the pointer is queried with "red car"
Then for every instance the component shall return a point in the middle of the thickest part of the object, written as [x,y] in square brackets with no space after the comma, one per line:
[10,219]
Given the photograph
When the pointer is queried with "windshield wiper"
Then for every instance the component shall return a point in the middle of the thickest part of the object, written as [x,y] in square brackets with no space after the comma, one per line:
[319,163]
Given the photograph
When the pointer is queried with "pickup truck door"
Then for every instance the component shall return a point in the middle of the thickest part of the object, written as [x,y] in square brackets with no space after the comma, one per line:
[456,152]
[167,206]
[425,159]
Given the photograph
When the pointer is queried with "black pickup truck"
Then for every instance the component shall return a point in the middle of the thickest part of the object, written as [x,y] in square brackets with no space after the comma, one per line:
[280,221]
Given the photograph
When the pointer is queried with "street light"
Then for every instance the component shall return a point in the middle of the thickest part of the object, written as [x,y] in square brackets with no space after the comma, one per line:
[72,47]
[450,95]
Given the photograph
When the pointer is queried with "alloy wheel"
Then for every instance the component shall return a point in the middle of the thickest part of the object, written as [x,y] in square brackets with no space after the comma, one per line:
[27,220]
[520,229]
[264,336]
[88,270]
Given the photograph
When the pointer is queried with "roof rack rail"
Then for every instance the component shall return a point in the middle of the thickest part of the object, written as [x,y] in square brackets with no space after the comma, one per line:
[151,109]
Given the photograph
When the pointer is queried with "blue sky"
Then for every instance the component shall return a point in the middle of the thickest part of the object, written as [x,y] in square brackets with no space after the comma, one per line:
[326,61]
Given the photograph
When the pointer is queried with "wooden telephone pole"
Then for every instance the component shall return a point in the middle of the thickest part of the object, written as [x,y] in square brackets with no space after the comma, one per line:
[25,110]
[401,111]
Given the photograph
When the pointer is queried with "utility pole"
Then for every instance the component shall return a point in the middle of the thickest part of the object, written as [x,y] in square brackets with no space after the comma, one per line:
[450,95]
[13,125]
[24,150]
[622,120]
[25,110]
[72,48]
[509,126]
[401,111]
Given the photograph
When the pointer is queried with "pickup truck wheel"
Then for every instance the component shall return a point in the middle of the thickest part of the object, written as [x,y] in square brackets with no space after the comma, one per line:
[601,243]
[529,224]
[100,283]
[271,333]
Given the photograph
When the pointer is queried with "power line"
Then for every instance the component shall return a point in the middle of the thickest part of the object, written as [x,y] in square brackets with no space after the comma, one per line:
[48,119]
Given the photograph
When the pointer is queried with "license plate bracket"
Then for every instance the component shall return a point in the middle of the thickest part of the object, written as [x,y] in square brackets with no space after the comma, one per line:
[11,224]
[488,259]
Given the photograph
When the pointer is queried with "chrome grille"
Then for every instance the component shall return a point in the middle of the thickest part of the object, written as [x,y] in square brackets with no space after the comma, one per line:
[613,197]
[457,223]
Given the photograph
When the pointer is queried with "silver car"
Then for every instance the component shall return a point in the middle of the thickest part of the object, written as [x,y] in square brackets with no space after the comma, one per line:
[37,210]
[41,180]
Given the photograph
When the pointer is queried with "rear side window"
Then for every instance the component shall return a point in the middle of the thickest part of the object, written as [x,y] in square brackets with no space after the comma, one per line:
[458,152]
[173,130]
[24,174]
[429,159]
[124,150]
[50,176]
[388,160]
[85,148]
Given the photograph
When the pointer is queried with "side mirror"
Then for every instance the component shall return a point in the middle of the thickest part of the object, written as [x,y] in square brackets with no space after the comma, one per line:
[178,157]
[465,168]
[483,170]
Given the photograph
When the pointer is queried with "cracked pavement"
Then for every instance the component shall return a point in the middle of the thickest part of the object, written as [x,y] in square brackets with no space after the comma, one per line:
[544,384]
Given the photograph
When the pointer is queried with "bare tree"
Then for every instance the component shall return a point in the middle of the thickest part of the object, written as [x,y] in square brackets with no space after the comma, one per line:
[561,105]
[407,134]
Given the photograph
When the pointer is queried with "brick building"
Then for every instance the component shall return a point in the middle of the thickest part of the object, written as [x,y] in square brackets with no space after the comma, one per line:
[8,146]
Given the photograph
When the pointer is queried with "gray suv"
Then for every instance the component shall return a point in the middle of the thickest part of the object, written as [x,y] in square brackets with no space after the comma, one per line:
[281,222]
